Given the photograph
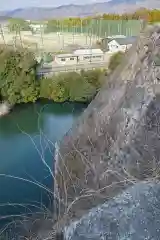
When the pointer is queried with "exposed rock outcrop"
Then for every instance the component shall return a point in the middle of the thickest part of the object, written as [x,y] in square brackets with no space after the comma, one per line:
[133,215]
[4,108]
[116,141]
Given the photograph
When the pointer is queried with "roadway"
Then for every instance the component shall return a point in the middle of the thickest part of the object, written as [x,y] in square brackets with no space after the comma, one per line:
[51,70]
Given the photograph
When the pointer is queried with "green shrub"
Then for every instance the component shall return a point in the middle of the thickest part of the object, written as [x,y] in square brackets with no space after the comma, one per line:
[115,60]
[19,84]
[18,81]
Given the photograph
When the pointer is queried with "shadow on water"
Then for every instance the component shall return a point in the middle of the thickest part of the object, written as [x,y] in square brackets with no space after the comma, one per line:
[27,138]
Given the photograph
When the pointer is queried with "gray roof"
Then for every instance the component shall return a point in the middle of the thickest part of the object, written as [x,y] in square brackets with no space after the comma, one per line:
[65,55]
[124,41]
[89,51]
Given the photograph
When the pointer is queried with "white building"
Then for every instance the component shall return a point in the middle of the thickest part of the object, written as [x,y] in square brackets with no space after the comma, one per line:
[120,44]
[37,27]
[91,51]
[116,36]
[80,56]
[91,55]
[68,58]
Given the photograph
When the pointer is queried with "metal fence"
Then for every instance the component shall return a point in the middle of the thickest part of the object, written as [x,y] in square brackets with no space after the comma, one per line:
[101,28]
[80,34]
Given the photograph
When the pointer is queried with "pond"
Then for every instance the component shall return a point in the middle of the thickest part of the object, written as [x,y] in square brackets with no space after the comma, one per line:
[27,140]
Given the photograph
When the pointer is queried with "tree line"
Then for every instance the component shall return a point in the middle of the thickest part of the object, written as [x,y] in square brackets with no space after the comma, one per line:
[150,15]
[17,25]
[19,82]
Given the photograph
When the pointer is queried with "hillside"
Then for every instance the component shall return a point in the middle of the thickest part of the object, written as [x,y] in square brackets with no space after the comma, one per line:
[72,10]
[115,142]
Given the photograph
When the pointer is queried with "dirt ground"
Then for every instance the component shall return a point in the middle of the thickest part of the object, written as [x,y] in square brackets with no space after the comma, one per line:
[51,42]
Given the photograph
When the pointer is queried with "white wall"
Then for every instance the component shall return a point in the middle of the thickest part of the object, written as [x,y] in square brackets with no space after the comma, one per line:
[90,58]
[82,59]
[66,62]
[129,45]
[115,47]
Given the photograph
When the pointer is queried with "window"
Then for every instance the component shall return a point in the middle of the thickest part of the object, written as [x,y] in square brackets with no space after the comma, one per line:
[63,59]
[72,58]
[114,46]
[87,57]
[98,56]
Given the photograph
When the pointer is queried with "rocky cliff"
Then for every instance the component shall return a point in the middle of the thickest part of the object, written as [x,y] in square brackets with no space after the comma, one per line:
[115,143]
[132,215]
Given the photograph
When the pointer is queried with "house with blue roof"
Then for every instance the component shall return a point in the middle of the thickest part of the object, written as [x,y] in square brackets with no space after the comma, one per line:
[120,44]
[117,43]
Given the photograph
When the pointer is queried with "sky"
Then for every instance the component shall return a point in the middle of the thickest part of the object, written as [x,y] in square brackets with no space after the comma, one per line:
[12,4]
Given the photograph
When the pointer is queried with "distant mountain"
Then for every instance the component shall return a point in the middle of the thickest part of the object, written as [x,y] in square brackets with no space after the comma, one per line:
[72,10]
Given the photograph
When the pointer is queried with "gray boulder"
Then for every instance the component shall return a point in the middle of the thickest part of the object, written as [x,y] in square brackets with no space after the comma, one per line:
[132,215]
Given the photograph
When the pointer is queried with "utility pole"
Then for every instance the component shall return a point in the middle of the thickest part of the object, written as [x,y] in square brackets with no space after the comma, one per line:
[42,43]
[63,42]
[100,29]
[19,32]
[14,42]
[90,38]
[73,32]
[118,29]
[81,27]
[58,31]
[2,34]
[86,39]
[63,31]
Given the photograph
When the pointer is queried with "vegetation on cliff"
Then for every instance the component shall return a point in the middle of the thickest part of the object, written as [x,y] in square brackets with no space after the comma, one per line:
[19,83]
[71,86]
[115,60]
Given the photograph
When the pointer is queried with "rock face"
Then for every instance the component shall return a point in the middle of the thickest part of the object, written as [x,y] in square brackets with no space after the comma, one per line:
[4,108]
[115,143]
[133,215]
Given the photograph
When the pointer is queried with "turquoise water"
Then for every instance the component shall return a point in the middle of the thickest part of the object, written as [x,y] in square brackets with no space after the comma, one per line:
[27,138]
